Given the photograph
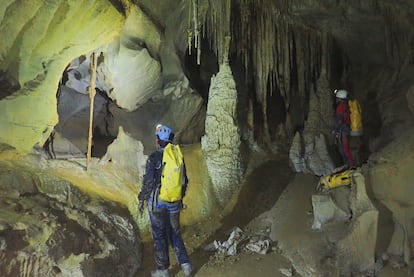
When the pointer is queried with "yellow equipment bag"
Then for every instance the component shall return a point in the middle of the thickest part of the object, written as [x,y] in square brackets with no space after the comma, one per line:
[335,180]
[172,174]
[356,117]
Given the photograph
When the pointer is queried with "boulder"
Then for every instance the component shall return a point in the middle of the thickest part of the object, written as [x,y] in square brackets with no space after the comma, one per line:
[352,228]
[391,177]
[54,229]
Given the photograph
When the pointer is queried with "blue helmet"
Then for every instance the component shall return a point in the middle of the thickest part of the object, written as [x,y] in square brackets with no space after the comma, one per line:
[164,133]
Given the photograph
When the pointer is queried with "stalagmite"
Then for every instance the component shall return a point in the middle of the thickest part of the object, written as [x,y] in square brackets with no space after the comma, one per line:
[222,139]
[222,136]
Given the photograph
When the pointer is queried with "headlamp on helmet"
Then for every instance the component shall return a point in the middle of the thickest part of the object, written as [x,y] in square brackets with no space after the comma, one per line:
[341,94]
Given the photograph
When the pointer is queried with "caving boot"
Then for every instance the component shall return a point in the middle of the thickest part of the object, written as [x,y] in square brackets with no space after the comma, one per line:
[160,273]
[187,269]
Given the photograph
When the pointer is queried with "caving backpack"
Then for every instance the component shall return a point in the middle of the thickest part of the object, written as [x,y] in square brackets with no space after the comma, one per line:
[172,174]
[355,117]
[335,180]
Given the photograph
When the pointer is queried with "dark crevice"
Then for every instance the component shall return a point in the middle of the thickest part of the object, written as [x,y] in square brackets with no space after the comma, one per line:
[118,6]
[8,85]
[200,75]
[276,113]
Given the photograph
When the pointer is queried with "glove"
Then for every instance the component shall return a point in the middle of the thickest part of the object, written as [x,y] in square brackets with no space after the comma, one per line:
[140,206]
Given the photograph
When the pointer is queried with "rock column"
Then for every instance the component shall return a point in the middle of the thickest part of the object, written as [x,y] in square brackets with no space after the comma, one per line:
[222,137]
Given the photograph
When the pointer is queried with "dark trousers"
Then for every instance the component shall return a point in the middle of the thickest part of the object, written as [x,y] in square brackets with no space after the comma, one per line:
[345,150]
[355,143]
[166,229]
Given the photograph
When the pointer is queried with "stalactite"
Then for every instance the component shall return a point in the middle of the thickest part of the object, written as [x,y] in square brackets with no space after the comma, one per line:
[189,30]
[280,54]
[218,23]
[283,56]
[197,40]
[193,29]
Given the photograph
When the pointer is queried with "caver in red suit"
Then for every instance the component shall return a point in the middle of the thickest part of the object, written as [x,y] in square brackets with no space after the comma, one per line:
[342,127]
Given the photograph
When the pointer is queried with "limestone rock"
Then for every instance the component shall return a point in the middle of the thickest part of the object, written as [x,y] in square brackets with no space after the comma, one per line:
[356,249]
[295,154]
[325,210]
[222,137]
[119,74]
[309,151]
[140,124]
[126,154]
[28,116]
[60,147]
[310,155]
[410,99]
[131,77]
[51,232]
[391,177]
[353,225]
[356,252]
[70,136]
[188,125]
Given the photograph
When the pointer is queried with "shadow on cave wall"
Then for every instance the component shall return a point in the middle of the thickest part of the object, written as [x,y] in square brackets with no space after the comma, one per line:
[8,85]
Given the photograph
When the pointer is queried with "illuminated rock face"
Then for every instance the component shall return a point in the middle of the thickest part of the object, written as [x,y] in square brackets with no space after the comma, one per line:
[126,71]
[135,64]
[39,39]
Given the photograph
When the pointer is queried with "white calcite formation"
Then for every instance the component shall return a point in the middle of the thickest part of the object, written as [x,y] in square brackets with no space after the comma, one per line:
[222,138]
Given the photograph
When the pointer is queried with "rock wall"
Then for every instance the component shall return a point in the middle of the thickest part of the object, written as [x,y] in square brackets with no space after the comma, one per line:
[39,40]
[391,178]
[131,71]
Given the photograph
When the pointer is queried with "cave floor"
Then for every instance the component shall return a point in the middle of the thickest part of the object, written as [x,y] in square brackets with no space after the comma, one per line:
[245,215]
